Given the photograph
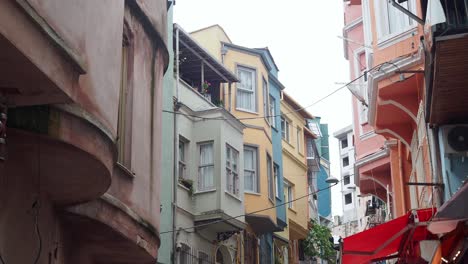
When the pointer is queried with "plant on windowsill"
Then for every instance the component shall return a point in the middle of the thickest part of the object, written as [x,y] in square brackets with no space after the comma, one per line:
[187,183]
[205,90]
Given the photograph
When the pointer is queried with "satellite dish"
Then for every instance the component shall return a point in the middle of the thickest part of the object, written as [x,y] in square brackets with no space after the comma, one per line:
[458,138]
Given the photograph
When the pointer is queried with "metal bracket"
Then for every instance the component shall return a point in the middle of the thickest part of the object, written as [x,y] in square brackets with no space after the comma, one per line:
[425,184]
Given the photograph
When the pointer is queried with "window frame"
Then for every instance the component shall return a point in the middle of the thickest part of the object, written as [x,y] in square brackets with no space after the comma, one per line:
[200,166]
[348,181]
[252,92]
[285,129]
[344,140]
[383,23]
[276,178]
[270,182]
[272,111]
[266,101]
[342,161]
[255,170]
[289,194]
[184,162]
[125,106]
[230,170]
[350,195]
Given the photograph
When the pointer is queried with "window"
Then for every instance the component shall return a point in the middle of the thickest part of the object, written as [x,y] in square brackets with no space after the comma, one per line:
[392,21]
[270,178]
[348,198]
[346,180]
[182,159]
[285,128]
[124,127]
[272,112]
[232,171]
[289,193]
[299,136]
[276,179]
[206,167]
[345,161]
[185,254]
[266,108]
[245,99]
[203,258]
[310,148]
[344,143]
[250,169]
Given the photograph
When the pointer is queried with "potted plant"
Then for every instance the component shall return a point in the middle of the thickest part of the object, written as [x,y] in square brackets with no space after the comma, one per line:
[187,183]
[205,90]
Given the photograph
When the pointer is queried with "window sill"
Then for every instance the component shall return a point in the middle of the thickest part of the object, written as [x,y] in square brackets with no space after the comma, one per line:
[183,187]
[125,170]
[288,143]
[392,39]
[292,210]
[233,196]
[205,191]
[252,193]
[247,111]
[274,128]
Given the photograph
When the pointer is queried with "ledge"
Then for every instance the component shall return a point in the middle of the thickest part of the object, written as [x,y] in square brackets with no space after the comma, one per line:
[72,56]
[233,196]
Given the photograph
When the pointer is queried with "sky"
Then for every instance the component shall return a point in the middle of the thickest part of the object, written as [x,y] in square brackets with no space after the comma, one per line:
[302,37]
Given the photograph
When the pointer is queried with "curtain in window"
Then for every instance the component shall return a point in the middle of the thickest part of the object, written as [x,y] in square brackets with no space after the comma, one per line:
[245,91]
[250,164]
[398,21]
[206,166]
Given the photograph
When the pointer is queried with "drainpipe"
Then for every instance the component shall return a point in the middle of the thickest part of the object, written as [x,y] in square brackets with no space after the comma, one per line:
[407,12]
[176,148]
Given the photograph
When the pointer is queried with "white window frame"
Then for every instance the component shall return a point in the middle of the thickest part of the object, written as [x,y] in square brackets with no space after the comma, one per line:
[276,178]
[205,187]
[271,184]
[290,194]
[183,159]
[241,88]
[254,170]
[384,11]
[266,104]
[285,131]
[272,111]
[232,173]
[342,161]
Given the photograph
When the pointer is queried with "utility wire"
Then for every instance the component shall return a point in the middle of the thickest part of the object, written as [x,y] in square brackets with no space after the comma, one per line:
[247,214]
[295,110]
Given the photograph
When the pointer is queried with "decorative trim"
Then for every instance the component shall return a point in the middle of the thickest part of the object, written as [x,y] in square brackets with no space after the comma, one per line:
[367,135]
[393,133]
[351,25]
[400,106]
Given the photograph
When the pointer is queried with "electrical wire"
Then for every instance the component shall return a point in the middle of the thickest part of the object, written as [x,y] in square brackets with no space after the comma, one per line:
[247,214]
[378,67]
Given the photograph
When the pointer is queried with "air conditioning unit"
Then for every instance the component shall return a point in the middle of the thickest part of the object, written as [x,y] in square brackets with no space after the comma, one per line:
[454,139]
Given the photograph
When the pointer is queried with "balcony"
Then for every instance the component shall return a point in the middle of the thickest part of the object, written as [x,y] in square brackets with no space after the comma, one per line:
[447,64]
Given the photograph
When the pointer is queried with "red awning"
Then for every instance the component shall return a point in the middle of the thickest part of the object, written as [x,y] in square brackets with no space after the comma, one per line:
[386,239]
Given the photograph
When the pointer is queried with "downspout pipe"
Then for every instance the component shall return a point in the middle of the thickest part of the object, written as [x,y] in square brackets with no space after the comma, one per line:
[407,12]
[176,155]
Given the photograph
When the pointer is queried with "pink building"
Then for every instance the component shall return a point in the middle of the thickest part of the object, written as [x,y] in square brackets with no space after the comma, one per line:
[81,87]
[372,156]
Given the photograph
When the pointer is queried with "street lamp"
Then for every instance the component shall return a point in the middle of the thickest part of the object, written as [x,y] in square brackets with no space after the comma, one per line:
[331,180]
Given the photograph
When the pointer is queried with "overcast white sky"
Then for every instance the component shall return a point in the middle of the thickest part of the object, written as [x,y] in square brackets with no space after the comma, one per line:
[302,37]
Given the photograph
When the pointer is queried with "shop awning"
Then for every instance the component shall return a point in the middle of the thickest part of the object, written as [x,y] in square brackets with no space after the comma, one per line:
[388,239]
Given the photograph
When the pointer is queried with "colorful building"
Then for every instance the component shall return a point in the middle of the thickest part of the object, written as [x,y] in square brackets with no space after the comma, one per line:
[406,93]
[248,100]
[295,177]
[80,158]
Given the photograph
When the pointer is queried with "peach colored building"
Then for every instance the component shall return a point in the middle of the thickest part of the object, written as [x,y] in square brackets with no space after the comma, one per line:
[81,89]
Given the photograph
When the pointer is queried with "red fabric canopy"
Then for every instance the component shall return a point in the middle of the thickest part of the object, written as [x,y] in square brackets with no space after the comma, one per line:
[386,239]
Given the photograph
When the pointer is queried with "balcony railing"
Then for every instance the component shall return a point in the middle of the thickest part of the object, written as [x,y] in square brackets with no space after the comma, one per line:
[456,13]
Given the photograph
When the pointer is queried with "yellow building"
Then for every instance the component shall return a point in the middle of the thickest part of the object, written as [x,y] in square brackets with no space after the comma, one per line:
[295,174]
[248,101]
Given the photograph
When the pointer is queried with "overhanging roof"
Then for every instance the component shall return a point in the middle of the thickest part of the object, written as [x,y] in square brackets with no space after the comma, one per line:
[191,57]
[295,105]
